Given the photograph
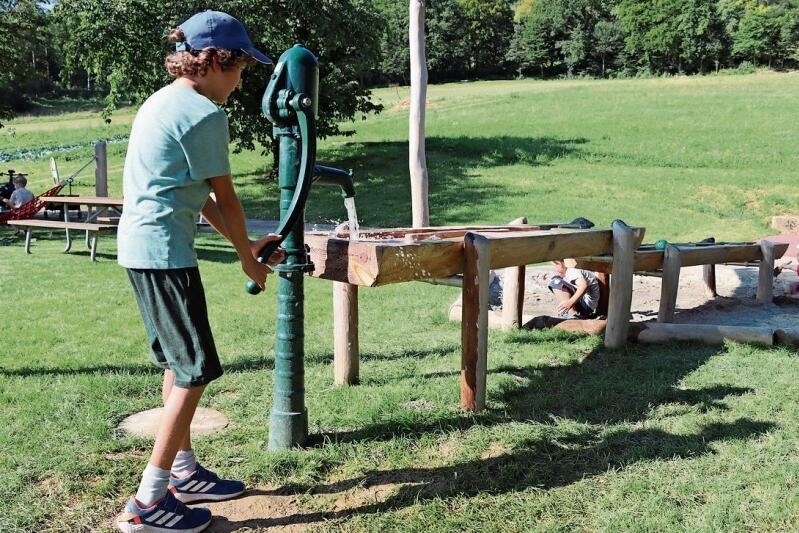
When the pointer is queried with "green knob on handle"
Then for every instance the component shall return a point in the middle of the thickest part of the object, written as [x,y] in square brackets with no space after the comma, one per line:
[253,287]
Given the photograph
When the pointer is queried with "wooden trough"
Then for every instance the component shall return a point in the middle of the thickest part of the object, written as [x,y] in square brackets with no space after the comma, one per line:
[386,256]
[667,263]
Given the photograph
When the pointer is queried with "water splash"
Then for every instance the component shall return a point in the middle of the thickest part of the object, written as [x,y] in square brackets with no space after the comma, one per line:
[352,215]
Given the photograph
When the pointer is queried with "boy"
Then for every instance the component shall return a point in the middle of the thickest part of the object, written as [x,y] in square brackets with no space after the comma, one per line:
[177,155]
[576,291]
[21,194]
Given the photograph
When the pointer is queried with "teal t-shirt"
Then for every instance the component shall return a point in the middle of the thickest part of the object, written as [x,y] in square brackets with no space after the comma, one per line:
[178,141]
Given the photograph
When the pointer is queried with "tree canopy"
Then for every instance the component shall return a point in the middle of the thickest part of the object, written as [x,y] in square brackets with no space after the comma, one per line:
[123,43]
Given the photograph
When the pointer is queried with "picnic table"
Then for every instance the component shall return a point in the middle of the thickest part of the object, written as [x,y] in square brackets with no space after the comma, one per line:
[96,220]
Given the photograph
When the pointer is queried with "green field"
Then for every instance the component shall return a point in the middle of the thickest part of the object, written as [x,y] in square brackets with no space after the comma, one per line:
[576,438]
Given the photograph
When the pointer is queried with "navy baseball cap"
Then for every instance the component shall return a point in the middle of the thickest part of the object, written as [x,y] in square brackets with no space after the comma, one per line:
[214,29]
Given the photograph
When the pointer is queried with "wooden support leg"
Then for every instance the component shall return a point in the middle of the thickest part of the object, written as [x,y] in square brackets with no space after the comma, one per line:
[621,290]
[604,293]
[709,273]
[474,321]
[513,291]
[765,278]
[513,296]
[709,277]
[345,334]
[670,282]
[93,244]
[69,240]
[27,240]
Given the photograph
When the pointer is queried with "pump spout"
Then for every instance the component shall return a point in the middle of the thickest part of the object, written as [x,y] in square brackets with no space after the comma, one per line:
[335,176]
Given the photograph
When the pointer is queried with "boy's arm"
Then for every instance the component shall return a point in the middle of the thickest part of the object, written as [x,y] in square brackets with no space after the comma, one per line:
[227,217]
[581,285]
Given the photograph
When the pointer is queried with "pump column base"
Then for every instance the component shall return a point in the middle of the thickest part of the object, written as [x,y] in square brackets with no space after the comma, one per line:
[287,430]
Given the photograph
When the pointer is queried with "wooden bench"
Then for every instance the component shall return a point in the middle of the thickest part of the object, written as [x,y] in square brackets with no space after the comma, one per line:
[668,262]
[91,229]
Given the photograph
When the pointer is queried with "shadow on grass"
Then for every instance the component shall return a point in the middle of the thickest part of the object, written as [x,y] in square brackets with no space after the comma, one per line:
[383,186]
[597,394]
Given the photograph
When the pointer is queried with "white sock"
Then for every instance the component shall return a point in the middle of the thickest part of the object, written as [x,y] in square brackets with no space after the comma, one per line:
[184,464]
[153,486]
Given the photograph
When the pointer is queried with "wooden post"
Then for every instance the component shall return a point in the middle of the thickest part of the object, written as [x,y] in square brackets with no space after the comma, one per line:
[474,321]
[513,291]
[709,277]
[101,172]
[345,334]
[621,290]
[765,277]
[604,293]
[416,137]
[670,282]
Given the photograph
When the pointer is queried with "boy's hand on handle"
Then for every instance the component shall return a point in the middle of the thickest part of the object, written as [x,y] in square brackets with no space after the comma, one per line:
[277,257]
[257,270]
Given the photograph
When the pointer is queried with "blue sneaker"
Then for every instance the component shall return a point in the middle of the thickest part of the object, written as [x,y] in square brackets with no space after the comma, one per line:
[204,485]
[167,516]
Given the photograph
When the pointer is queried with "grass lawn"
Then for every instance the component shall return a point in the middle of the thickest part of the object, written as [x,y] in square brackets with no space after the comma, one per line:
[576,438]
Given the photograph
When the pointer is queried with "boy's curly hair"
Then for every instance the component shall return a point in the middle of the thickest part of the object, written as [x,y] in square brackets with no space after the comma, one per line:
[196,62]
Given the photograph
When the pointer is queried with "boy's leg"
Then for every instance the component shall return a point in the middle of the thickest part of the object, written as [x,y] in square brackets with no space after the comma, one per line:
[173,432]
[166,389]
[562,290]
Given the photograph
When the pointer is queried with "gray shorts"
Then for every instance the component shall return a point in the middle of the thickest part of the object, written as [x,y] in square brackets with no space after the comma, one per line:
[172,305]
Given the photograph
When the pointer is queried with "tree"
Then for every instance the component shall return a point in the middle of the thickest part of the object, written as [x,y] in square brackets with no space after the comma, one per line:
[608,41]
[488,32]
[20,25]
[671,35]
[766,34]
[123,43]
[444,37]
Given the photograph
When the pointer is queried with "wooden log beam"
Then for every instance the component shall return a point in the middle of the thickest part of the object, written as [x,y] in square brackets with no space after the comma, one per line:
[379,262]
[649,260]
[558,243]
[654,332]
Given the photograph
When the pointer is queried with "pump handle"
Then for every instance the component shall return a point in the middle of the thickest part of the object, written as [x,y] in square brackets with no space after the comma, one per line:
[300,103]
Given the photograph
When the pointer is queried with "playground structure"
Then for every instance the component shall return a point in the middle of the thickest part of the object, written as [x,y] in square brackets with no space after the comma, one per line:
[386,256]
[439,254]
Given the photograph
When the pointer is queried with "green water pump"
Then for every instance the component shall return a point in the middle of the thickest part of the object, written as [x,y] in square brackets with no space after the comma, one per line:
[290,103]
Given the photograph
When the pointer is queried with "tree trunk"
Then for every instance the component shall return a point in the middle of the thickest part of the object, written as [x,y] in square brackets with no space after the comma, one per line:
[416,149]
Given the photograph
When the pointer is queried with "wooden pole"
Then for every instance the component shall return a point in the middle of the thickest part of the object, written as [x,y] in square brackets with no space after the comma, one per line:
[604,293]
[621,290]
[672,264]
[474,321]
[765,276]
[101,172]
[345,334]
[709,277]
[513,291]
[417,162]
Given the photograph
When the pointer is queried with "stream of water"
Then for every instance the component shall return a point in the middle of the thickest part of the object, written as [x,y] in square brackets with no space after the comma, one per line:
[352,215]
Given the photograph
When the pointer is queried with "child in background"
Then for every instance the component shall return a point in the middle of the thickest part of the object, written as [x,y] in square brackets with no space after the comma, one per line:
[576,291]
[21,194]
